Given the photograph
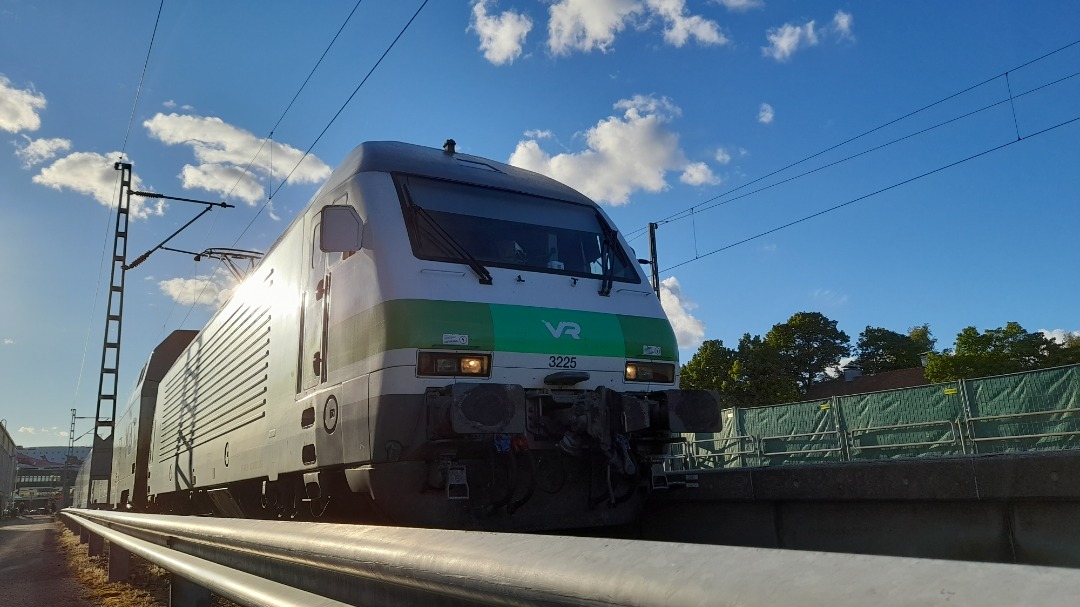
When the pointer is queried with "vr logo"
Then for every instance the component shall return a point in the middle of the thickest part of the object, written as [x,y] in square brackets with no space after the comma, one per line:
[569,328]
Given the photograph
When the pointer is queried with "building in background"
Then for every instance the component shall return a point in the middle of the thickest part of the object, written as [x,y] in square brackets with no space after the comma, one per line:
[7,470]
[44,476]
[54,455]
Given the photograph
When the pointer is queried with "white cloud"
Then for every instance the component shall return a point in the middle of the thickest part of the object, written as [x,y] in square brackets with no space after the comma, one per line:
[828,297]
[689,331]
[723,156]
[501,37]
[842,23]
[587,25]
[9,342]
[680,27]
[37,151]
[54,431]
[648,104]
[207,289]
[19,107]
[539,134]
[222,178]
[788,38]
[224,150]
[584,25]
[172,105]
[765,114]
[698,173]
[1057,335]
[93,174]
[625,153]
[741,6]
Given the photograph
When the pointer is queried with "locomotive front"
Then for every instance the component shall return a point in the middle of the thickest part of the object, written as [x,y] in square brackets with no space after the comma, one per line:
[542,378]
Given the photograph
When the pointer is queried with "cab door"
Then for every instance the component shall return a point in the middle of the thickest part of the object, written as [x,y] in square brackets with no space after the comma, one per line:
[315,307]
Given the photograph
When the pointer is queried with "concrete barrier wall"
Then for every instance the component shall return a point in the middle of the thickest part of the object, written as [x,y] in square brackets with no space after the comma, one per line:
[1009,509]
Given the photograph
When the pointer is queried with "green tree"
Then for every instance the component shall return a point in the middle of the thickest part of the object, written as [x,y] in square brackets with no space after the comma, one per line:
[1007,349]
[811,343]
[709,368]
[920,336]
[754,375]
[880,349]
[1065,352]
[761,375]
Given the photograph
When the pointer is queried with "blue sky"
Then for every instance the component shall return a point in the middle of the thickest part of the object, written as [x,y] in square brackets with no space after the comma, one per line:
[651,107]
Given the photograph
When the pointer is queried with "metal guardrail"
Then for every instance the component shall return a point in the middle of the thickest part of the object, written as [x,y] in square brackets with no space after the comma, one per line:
[809,436]
[272,563]
[953,435]
[972,422]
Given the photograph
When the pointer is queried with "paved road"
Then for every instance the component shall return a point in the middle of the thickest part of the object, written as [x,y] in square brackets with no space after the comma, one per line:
[33,571]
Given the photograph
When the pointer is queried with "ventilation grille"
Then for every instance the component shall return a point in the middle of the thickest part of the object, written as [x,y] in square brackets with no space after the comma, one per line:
[220,381]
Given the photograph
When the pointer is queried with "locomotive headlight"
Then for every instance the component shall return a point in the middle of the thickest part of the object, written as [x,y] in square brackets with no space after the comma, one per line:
[453,363]
[472,365]
[661,373]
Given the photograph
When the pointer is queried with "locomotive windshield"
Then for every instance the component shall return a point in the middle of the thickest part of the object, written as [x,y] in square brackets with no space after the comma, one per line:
[491,227]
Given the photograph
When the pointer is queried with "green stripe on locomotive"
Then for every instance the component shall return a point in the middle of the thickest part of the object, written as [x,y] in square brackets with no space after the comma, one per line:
[418,323]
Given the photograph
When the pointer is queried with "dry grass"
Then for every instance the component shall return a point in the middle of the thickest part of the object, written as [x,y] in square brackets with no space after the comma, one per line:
[147,585]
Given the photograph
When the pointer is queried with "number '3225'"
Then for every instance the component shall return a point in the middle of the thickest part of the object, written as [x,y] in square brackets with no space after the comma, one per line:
[563,362]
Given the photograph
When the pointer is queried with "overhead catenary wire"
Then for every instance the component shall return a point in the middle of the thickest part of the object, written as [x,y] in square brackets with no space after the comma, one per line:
[705,206]
[334,118]
[142,78]
[685,212]
[108,215]
[273,192]
[247,169]
[875,193]
[296,96]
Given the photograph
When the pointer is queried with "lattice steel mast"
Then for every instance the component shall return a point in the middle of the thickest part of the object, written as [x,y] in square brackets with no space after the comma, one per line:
[105,415]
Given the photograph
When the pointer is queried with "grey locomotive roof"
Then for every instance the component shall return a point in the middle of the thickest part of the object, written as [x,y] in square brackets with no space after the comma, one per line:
[395,157]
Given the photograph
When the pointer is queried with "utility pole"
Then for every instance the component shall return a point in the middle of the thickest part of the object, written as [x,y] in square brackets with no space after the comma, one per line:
[69,475]
[652,260]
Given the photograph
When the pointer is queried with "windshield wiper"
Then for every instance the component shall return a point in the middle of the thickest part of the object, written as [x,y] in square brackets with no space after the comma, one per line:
[452,244]
[607,256]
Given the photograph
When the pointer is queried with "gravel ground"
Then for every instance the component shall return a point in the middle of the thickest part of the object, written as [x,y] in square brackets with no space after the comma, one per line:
[34,568]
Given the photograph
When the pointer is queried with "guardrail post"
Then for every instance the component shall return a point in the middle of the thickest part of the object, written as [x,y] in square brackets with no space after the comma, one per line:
[185,593]
[119,563]
[97,545]
[84,534]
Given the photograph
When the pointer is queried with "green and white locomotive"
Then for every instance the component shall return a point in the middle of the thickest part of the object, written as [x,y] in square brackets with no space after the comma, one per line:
[436,340]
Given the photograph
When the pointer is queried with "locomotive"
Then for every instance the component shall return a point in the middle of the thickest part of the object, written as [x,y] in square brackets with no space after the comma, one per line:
[437,340]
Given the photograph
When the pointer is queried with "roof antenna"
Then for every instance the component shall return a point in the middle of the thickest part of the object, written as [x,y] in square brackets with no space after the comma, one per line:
[448,147]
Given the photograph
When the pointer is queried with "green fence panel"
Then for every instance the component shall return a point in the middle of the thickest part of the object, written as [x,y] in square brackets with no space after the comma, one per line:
[1033,411]
[911,422]
[729,448]
[794,433]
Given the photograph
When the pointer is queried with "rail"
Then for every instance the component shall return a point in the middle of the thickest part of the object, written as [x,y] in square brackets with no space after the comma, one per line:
[273,563]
